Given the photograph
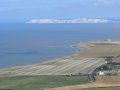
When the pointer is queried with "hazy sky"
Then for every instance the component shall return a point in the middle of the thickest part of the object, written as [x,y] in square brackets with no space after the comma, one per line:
[22,10]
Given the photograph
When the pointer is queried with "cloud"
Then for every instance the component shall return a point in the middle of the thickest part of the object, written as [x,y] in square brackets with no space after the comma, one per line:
[106,2]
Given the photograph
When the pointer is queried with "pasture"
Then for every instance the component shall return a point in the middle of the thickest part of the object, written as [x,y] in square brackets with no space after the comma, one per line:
[39,82]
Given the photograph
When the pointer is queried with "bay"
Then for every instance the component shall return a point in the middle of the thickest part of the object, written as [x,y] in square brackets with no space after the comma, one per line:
[22,44]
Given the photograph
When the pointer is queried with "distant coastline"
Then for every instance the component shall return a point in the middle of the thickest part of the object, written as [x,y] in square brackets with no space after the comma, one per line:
[74,20]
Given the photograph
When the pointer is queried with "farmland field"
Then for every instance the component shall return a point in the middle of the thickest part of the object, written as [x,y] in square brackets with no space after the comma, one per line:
[101,83]
[101,49]
[40,82]
[66,66]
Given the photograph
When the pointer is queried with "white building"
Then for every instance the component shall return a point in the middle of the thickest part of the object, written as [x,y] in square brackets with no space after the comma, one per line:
[101,73]
[107,72]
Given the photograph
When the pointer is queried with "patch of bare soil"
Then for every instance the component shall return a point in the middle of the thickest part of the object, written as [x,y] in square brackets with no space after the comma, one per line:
[117,60]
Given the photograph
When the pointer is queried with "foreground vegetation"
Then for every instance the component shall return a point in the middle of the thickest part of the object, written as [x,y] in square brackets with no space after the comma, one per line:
[40,82]
[110,88]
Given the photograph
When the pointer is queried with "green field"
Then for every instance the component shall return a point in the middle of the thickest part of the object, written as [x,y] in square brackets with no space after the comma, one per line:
[110,88]
[40,82]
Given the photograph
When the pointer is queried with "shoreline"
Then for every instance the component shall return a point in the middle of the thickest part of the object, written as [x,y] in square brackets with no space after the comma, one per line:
[72,48]
[85,61]
[81,47]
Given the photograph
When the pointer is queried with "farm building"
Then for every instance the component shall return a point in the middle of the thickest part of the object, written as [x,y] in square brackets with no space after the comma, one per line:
[107,72]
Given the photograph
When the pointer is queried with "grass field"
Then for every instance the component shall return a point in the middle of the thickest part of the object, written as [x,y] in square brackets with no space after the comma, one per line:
[40,82]
[101,83]
[110,88]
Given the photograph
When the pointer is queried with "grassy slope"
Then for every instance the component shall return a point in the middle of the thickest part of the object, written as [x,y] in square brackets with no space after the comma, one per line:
[112,82]
[105,80]
[39,82]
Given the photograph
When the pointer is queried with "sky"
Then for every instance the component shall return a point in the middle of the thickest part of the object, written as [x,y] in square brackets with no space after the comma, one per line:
[24,10]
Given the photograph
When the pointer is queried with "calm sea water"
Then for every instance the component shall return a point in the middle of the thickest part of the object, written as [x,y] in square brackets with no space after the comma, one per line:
[31,43]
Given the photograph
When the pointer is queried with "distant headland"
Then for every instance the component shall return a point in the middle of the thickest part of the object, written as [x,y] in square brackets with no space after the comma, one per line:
[75,20]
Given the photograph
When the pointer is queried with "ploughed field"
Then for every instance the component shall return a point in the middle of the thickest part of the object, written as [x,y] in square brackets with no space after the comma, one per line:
[63,66]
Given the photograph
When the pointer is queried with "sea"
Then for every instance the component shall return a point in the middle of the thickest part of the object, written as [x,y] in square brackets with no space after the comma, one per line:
[22,44]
